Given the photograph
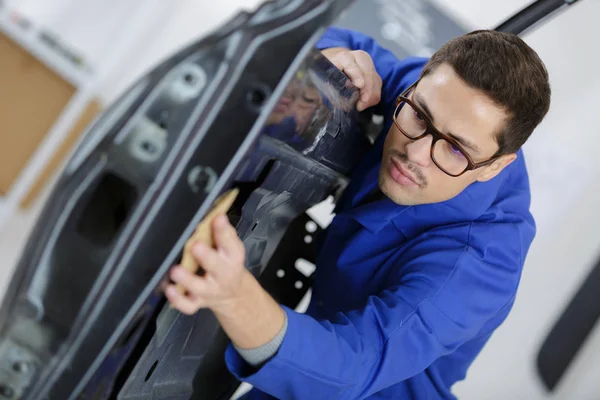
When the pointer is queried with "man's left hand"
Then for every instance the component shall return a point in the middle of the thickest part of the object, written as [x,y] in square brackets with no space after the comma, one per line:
[222,283]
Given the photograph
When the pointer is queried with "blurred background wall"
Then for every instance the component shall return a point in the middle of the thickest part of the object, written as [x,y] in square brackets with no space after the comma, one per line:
[114,41]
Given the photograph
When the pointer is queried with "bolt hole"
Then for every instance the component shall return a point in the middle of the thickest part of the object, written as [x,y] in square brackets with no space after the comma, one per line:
[20,367]
[280,273]
[256,97]
[189,78]
[149,147]
[305,267]
[151,371]
[298,285]
[6,391]
[311,227]
[307,239]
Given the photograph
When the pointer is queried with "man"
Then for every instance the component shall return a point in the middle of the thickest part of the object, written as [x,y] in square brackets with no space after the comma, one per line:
[422,261]
[294,113]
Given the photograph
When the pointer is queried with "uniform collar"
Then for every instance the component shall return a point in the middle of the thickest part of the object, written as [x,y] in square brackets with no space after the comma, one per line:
[468,205]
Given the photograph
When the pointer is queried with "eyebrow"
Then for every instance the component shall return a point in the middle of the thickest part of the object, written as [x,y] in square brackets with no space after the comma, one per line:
[462,141]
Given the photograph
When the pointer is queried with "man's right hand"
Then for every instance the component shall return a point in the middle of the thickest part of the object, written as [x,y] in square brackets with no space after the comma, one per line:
[358,66]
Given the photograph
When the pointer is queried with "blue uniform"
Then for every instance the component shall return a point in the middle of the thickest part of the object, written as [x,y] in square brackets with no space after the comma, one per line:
[405,297]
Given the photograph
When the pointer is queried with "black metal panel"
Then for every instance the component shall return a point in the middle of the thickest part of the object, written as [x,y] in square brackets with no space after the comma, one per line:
[86,284]
[184,359]
[570,331]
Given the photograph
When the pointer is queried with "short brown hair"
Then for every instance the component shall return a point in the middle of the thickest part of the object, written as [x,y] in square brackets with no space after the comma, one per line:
[506,70]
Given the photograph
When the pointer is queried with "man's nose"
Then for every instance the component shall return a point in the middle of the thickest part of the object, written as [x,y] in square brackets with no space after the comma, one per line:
[419,151]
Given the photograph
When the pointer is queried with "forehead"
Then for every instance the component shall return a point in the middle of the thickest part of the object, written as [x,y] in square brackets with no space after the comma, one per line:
[458,109]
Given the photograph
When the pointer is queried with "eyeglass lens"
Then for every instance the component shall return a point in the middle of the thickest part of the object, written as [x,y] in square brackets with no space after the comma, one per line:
[446,156]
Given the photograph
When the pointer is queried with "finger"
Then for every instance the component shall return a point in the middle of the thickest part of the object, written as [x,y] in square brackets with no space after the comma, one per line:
[365,63]
[346,63]
[369,97]
[207,257]
[181,302]
[371,93]
[376,91]
[191,282]
[162,285]
[361,105]
[226,237]
[365,100]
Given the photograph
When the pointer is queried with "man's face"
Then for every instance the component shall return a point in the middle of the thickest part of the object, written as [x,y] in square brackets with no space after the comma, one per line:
[299,101]
[408,176]
[304,106]
[282,109]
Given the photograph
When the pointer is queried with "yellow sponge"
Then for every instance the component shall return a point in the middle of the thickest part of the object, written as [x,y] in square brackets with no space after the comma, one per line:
[203,232]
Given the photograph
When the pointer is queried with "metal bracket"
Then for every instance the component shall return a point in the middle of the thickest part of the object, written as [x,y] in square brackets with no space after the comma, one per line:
[284,278]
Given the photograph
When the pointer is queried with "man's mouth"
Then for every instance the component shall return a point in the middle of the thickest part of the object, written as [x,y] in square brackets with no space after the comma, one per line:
[281,108]
[402,175]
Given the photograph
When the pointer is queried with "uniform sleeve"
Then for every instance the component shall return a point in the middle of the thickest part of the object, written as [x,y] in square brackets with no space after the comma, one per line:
[397,75]
[444,296]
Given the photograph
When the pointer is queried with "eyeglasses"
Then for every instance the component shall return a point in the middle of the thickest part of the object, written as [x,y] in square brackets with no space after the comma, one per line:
[446,152]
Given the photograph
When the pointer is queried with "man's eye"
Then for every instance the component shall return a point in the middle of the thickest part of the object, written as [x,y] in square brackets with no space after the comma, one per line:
[456,151]
[418,115]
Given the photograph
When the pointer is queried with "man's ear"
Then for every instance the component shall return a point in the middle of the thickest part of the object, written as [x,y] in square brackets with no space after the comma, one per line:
[492,170]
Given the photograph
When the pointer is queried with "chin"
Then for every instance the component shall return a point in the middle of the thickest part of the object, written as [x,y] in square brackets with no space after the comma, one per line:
[395,192]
